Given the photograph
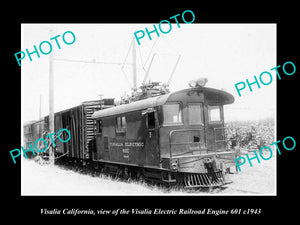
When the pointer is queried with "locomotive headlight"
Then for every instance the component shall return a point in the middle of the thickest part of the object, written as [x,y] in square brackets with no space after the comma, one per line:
[174,166]
[198,82]
[192,83]
[208,160]
[210,163]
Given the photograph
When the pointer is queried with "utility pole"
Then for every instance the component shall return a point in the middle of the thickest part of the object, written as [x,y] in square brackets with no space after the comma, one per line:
[101,101]
[51,104]
[40,113]
[134,66]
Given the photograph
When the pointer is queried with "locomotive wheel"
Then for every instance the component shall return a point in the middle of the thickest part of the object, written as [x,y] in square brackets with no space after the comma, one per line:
[126,173]
[140,175]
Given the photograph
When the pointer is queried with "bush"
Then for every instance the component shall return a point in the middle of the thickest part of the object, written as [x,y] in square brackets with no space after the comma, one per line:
[250,135]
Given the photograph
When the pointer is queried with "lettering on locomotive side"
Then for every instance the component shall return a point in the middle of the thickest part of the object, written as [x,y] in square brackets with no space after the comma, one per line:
[116,144]
[126,144]
[194,148]
[134,144]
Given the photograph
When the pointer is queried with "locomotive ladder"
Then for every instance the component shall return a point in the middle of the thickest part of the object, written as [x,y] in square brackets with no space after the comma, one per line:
[90,124]
[90,128]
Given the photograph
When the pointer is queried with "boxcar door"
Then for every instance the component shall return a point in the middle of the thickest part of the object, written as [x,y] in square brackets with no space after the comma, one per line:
[151,144]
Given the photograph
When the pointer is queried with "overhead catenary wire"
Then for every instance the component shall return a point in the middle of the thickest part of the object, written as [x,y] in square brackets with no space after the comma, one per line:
[150,51]
[87,61]
[141,58]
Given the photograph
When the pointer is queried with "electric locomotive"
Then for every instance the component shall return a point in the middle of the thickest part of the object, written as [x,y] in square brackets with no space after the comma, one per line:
[174,138]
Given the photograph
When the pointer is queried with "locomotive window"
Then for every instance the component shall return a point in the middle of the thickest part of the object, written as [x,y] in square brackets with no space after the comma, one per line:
[172,113]
[195,114]
[99,126]
[196,138]
[105,140]
[121,124]
[214,113]
[150,120]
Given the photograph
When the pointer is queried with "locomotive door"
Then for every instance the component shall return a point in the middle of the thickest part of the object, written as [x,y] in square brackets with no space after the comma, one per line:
[151,144]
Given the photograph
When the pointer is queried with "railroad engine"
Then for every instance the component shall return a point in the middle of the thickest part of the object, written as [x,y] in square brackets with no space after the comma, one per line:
[175,138]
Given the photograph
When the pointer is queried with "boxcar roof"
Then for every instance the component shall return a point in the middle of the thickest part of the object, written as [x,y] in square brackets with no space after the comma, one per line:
[210,93]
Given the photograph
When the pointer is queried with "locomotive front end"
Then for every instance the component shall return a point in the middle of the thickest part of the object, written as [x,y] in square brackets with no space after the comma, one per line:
[205,170]
[192,137]
[195,161]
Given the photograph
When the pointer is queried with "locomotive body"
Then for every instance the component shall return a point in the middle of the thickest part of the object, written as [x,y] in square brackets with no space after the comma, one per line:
[174,138]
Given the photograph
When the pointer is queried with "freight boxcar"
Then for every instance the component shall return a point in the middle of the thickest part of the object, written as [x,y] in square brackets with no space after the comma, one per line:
[80,124]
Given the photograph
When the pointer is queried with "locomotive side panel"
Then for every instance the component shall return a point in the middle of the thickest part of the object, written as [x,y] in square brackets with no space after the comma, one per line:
[128,138]
[214,114]
[134,143]
[105,132]
[215,130]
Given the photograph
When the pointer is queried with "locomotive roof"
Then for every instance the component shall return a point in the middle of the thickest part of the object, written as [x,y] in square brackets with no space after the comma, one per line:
[212,94]
[134,106]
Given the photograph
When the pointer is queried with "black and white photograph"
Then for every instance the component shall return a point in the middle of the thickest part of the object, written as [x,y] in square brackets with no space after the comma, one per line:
[165,111]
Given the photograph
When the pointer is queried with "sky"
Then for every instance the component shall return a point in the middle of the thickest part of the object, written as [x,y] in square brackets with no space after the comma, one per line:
[223,53]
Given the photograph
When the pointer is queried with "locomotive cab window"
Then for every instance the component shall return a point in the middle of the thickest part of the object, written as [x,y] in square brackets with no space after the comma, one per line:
[121,124]
[150,120]
[99,126]
[172,114]
[195,113]
[214,113]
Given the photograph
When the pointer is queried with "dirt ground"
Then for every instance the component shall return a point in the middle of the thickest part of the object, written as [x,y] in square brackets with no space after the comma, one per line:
[260,179]
[46,179]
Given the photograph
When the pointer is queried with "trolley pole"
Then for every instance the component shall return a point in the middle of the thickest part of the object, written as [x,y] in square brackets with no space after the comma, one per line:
[51,105]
